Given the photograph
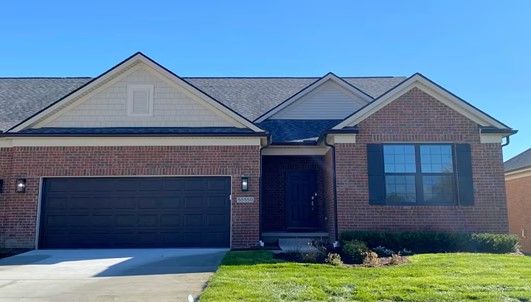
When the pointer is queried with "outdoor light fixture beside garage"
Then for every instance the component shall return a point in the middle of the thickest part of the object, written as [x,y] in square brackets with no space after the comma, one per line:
[245,183]
[21,185]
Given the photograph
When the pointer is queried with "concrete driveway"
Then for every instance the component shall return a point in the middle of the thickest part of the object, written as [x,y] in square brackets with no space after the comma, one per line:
[107,275]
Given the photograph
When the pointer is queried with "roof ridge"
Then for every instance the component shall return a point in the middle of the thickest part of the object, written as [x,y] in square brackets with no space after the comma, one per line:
[289,77]
[210,77]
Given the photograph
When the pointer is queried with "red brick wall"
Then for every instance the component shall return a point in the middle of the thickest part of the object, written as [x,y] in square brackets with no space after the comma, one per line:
[519,207]
[417,117]
[274,182]
[19,210]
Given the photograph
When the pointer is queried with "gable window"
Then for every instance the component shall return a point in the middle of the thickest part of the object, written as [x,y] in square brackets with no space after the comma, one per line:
[419,174]
[140,100]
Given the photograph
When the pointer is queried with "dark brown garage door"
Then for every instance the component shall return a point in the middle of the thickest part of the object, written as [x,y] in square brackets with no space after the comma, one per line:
[135,212]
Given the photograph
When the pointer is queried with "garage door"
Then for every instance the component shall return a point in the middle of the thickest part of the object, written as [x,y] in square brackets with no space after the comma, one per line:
[135,212]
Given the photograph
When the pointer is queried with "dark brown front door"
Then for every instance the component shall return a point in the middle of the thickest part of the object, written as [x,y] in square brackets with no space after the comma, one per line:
[301,202]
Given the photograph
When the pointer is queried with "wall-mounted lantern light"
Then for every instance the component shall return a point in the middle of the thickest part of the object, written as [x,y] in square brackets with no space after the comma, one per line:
[21,185]
[245,183]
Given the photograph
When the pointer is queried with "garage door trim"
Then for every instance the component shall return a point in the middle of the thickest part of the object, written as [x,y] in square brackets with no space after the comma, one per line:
[40,196]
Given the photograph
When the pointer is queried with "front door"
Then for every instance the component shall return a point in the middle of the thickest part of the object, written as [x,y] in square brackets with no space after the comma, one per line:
[301,200]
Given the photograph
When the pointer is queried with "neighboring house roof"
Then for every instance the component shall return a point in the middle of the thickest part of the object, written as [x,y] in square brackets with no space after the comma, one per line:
[297,131]
[21,98]
[520,161]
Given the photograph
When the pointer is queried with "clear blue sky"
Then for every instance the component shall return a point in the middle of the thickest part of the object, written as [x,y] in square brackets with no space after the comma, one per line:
[480,50]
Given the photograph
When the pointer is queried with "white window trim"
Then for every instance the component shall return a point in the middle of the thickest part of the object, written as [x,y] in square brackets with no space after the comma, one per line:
[130,90]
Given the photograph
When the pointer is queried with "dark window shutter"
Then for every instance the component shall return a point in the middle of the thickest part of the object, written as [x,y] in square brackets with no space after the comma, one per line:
[465,185]
[375,167]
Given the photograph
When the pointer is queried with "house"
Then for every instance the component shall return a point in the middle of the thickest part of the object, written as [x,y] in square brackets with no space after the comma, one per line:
[518,186]
[140,157]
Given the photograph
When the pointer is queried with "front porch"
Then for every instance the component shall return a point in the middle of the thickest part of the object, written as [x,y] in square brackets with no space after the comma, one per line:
[297,197]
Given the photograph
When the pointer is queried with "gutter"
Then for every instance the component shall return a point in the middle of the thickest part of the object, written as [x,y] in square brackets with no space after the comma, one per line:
[494,130]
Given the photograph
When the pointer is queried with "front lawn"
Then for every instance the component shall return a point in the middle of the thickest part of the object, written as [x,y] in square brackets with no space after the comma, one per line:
[257,276]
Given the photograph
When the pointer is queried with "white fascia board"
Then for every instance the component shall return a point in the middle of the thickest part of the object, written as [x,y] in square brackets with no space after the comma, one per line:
[311,88]
[128,141]
[428,87]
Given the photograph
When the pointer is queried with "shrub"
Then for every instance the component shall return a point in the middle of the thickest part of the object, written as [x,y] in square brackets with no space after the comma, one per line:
[353,252]
[334,259]
[495,243]
[435,242]
[383,251]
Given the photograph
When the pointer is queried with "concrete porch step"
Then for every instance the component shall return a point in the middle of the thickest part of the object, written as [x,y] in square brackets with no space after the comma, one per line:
[296,245]
[291,239]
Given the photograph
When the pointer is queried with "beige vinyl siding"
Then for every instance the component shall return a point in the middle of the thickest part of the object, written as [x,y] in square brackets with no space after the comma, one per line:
[172,107]
[328,101]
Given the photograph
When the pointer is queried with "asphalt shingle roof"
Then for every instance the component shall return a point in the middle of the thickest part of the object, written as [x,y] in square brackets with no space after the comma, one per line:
[249,96]
[520,161]
[296,130]
[22,97]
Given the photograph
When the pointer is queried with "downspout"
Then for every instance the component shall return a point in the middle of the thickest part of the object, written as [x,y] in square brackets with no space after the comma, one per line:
[336,232]
[507,141]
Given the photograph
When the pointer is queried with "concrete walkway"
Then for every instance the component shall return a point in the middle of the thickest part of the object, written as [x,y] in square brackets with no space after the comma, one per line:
[107,275]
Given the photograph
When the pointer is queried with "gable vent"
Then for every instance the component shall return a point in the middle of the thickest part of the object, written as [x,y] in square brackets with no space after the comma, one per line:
[140,100]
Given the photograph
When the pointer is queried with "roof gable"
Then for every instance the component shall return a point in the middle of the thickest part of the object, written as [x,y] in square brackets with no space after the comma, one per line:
[107,106]
[109,77]
[328,101]
[421,82]
[349,88]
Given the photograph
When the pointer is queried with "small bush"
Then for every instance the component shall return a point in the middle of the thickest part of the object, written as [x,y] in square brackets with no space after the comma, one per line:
[397,259]
[334,259]
[383,251]
[371,259]
[495,243]
[435,242]
[353,252]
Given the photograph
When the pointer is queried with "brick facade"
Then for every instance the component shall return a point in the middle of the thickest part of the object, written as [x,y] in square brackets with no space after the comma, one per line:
[418,117]
[519,207]
[19,210]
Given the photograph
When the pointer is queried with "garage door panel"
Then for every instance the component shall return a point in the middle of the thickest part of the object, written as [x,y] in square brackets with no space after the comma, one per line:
[135,212]
[102,220]
[169,220]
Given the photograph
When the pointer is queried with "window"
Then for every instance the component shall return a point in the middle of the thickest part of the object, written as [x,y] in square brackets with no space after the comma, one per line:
[140,100]
[419,174]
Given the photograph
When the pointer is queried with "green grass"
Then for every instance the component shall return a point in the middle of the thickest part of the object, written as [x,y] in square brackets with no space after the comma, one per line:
[257,276]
